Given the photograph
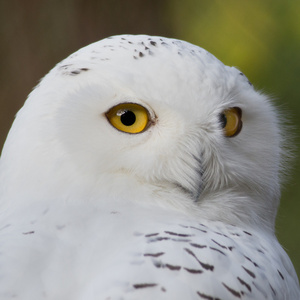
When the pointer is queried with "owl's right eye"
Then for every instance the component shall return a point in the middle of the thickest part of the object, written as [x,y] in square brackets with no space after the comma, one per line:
[129,117]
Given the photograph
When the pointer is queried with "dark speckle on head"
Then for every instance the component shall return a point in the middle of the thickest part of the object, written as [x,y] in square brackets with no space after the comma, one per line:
[242,74]
[70,70]
[193,52]
[29,232]
[65,67]
[144,285]
[74,72]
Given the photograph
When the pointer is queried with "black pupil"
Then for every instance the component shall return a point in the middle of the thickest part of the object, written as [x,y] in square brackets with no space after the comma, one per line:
[128,118]
[223,120]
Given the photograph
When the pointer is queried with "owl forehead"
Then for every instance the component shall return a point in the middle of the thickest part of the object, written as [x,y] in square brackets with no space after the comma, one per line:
[162,64]
[143,54]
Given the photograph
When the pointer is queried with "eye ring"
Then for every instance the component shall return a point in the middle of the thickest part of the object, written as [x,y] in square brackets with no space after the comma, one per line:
[231,121]
[129,117]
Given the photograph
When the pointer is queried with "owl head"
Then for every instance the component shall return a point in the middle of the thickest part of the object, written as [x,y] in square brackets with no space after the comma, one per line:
[147,119]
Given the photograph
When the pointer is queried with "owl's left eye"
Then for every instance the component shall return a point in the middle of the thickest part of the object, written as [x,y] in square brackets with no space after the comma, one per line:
[129,117]
[231,121]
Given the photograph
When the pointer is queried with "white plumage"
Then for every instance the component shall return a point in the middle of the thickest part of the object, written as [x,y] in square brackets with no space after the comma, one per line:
[122,179]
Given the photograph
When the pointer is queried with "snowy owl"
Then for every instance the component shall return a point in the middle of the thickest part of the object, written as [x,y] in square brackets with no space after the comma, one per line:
[143,168]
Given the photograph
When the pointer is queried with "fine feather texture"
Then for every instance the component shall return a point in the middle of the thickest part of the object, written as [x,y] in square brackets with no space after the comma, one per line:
[176,211]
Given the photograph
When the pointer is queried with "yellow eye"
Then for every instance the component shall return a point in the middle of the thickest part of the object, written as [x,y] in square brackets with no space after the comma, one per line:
[231,121]
[129,117]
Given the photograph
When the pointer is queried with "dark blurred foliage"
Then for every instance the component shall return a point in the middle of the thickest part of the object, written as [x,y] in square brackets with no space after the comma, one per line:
[262,38]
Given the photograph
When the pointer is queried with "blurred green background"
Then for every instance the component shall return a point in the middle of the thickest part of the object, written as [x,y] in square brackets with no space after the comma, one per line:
[261,38]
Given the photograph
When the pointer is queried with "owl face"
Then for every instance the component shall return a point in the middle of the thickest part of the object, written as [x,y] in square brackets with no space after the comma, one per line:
[161,113]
